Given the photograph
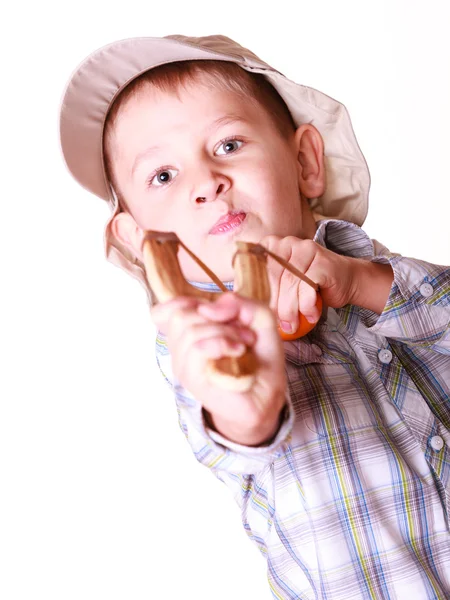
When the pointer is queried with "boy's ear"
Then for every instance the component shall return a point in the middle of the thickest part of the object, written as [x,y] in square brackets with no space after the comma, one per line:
[128,232]
[311,168]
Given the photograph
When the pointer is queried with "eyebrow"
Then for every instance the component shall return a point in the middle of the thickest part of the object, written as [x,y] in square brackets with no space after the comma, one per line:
[220,122]
[142,156]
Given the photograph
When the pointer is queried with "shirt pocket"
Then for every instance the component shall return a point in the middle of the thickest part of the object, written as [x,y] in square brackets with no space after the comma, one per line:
[332,399]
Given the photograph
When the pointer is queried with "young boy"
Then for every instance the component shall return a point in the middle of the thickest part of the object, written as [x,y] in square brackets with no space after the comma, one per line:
[339,453]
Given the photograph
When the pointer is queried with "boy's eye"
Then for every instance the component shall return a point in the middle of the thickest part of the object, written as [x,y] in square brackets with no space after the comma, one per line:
[228,147]
[162,177]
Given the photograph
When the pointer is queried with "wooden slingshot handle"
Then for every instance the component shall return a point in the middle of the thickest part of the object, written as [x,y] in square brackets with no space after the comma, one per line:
[164,275]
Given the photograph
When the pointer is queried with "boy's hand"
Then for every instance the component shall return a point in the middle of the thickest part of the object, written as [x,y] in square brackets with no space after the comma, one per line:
[198,331]
[342,280]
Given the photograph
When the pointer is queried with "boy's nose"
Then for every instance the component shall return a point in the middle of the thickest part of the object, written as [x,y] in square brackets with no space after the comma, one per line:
[209,186]
[220,190]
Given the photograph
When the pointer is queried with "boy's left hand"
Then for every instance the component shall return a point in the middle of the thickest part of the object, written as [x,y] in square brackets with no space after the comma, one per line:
[342,280]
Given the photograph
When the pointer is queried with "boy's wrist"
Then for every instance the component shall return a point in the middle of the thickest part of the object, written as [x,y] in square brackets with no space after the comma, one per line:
[259,435]
[372,285]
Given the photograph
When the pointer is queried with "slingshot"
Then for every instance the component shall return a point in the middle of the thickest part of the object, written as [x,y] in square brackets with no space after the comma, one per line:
[164,275]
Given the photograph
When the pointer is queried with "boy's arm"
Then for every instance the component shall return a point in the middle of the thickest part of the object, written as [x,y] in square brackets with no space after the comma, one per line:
[374,281]
[212,449]
[416,309]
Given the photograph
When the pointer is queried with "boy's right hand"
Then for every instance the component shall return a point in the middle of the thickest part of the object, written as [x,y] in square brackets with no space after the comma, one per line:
[198,331]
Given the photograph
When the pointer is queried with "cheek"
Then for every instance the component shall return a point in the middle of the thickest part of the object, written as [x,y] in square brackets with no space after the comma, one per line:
[150,215]
[276,187]
[274,172]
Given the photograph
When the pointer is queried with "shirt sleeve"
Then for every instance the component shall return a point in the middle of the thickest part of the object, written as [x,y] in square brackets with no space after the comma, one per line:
[417,311]
[209,447]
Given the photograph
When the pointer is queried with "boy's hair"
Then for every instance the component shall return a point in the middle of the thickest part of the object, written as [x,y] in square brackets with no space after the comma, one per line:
[253,87]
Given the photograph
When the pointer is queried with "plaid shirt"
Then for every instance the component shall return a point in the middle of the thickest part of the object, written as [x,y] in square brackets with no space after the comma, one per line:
[352,498]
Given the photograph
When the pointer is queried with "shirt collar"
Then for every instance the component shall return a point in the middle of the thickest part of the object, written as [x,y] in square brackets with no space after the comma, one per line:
[344,237]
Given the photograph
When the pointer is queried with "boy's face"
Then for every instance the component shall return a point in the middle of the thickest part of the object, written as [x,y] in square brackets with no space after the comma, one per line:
[213,169]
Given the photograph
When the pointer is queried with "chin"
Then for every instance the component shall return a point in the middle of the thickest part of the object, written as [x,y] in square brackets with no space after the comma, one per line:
[223,269]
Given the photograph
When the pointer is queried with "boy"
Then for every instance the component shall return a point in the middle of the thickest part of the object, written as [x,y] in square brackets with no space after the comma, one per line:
[339,453]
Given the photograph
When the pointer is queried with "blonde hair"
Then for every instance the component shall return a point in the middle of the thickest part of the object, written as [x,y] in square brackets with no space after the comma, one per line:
[172,77]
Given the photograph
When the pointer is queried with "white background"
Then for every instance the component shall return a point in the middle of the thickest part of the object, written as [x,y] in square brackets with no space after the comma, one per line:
[100,496]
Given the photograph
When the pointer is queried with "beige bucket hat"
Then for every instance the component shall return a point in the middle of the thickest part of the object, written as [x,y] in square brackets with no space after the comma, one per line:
[99,79]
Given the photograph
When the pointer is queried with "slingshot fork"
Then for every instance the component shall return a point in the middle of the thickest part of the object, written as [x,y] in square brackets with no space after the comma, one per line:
[164,275]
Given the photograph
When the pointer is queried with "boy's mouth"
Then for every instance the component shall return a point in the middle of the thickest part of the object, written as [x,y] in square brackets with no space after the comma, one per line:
[229,222]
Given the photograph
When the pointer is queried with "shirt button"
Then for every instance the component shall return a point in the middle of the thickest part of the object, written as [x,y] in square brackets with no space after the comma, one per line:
[385,356]
[316,349]
[437,443]
[426,289]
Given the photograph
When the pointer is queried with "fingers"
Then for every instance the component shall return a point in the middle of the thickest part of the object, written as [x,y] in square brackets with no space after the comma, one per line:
[225,308]
[198,332]
[194,341]
[210,337]
[259,318]
[307,300]
[201,332]
[289,294]
[236,309]
[174,316]
[216,347]
[276,245]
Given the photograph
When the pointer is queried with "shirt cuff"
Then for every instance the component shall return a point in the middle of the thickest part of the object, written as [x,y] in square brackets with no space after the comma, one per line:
[271,448]
[220,454]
